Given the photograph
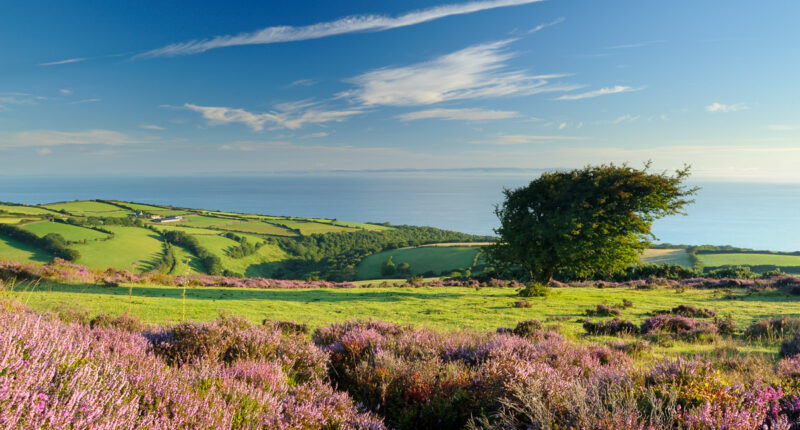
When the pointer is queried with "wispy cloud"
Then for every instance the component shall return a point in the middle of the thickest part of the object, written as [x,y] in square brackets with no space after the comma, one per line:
[541,27]
[287,115]
[349,24]
[474,72]
[625,118]
[65,92]
[458,114]
[597,93]
[302,83]
[94,100]
[634,45]
[723,108]
[316,135]
[43,151]
[520,139]
[562,126]
[39,138]
[151,127]
[67,61]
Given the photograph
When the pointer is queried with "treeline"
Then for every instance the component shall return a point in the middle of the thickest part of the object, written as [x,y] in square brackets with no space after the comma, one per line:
[53,243]
[244,248]
[336,256]
[210,262]
[169,261]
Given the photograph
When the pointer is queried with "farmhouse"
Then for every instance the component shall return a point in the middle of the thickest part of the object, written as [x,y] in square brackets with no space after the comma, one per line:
[174,218]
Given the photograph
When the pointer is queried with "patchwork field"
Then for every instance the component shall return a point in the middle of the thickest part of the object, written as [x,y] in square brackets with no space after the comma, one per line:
[421,259]
[130,245]
[88,208]
[13,250]
[735,259]
[308,227]
[258,227]
[71,233]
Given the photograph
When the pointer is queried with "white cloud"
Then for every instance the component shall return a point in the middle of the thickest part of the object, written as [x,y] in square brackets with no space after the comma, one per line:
[541,27]
[85,101]
[316,135]
[67,61]
[302,83]
[562,126]
[43,151]
[518,139]
[474,72]
[634,45]
[458,114]
[596,93]
[65,92]
[151,127]
[723,108]
[287,115]
[349,24]
[37,138]
[625,118]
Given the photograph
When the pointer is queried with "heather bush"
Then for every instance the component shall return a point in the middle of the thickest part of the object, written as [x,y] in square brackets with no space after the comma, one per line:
[773,329]
[726,325]
[689,311]
[522,303]
[123,322]
[602,310]
[290,327]
[679,326]
[791,347]
[633,348]
[527,328]
[613,327]
[535,289]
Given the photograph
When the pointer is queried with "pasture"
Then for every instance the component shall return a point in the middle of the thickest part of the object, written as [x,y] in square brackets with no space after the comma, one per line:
[130,245]
[666,256]
[14,250]
[88,208]
[421,259]
[260,264]
[310,227]
[72,233]
[744,258]
[26,210]
[441,308]
[257,227]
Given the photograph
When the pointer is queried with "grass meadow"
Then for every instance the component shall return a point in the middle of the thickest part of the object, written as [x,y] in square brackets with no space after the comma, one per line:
[421,259]
[72,233]
[142,247]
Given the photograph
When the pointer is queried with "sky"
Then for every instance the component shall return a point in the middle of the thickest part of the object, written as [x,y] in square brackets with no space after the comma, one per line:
[264,87]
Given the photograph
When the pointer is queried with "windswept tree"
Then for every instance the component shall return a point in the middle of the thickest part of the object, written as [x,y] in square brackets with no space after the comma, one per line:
[583,222]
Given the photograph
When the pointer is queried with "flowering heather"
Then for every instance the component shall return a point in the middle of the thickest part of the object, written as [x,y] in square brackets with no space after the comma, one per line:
[678,325]
[55,375]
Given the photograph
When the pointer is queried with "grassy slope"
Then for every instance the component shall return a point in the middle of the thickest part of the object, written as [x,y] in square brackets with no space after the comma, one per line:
[9,220]
[130,244]
[257,227]
[258,264]
[444,308]
[13,250]
[308,227]
[69,232]
[89,208]
[421,259]
[28,210]
[669,256]
[205,221]
[709,260]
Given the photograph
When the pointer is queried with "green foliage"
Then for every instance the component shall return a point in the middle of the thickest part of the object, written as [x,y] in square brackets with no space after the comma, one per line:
[388,267]
[584,222]
[209,261]
[53,243]
[535,289]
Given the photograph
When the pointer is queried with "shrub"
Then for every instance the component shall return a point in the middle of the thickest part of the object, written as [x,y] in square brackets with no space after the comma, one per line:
[290,327]
[680,326]
[634,348]
[725,325]
[535,289]
[522,303]
[773,329]
[626,304]
[603,311]
[791,347]
[527,328]
[123,322]
[689,311]
[610,328]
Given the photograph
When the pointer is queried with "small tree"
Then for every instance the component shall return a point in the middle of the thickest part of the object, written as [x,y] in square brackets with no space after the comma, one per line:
[388,267]
[583,222]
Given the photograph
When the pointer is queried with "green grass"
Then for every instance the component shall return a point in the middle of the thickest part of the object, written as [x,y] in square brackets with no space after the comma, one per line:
[365,226]
[449,308]
[71,233]
[258,227]
[752,259]
[309,227]
[140,206]
[421,260]
[89,208]
[182,256]
[261,264]
[666,256]
[14,250]
[27,210]
[205,221]
[129,245]
[5,220]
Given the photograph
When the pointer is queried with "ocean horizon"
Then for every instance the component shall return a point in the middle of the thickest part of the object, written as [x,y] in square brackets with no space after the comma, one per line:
[750,215]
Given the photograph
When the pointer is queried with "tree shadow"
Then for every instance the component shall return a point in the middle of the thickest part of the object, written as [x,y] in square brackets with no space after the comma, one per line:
[37,255]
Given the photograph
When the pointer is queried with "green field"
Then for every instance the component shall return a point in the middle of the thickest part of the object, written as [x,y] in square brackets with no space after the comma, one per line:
[260,264]
[27,210]
[370,227]
[448,308]
[666,256]
[130,245]
[89,208]
[257,227]
[5,220]
[71,233]
[421,259]
[308,227]
[753,259]
[205,221]
[13,250]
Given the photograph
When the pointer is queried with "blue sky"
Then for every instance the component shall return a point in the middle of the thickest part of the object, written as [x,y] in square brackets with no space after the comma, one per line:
[179,88]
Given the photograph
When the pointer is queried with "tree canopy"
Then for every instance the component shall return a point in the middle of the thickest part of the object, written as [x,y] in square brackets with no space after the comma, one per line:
[594,220]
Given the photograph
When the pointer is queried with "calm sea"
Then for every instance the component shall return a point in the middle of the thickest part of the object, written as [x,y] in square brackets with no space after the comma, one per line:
[753,215]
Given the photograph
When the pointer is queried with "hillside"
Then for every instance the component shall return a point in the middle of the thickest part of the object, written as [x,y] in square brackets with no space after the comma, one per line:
[141,238]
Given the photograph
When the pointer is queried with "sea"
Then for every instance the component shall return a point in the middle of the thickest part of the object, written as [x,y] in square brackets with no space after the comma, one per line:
[750,215]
